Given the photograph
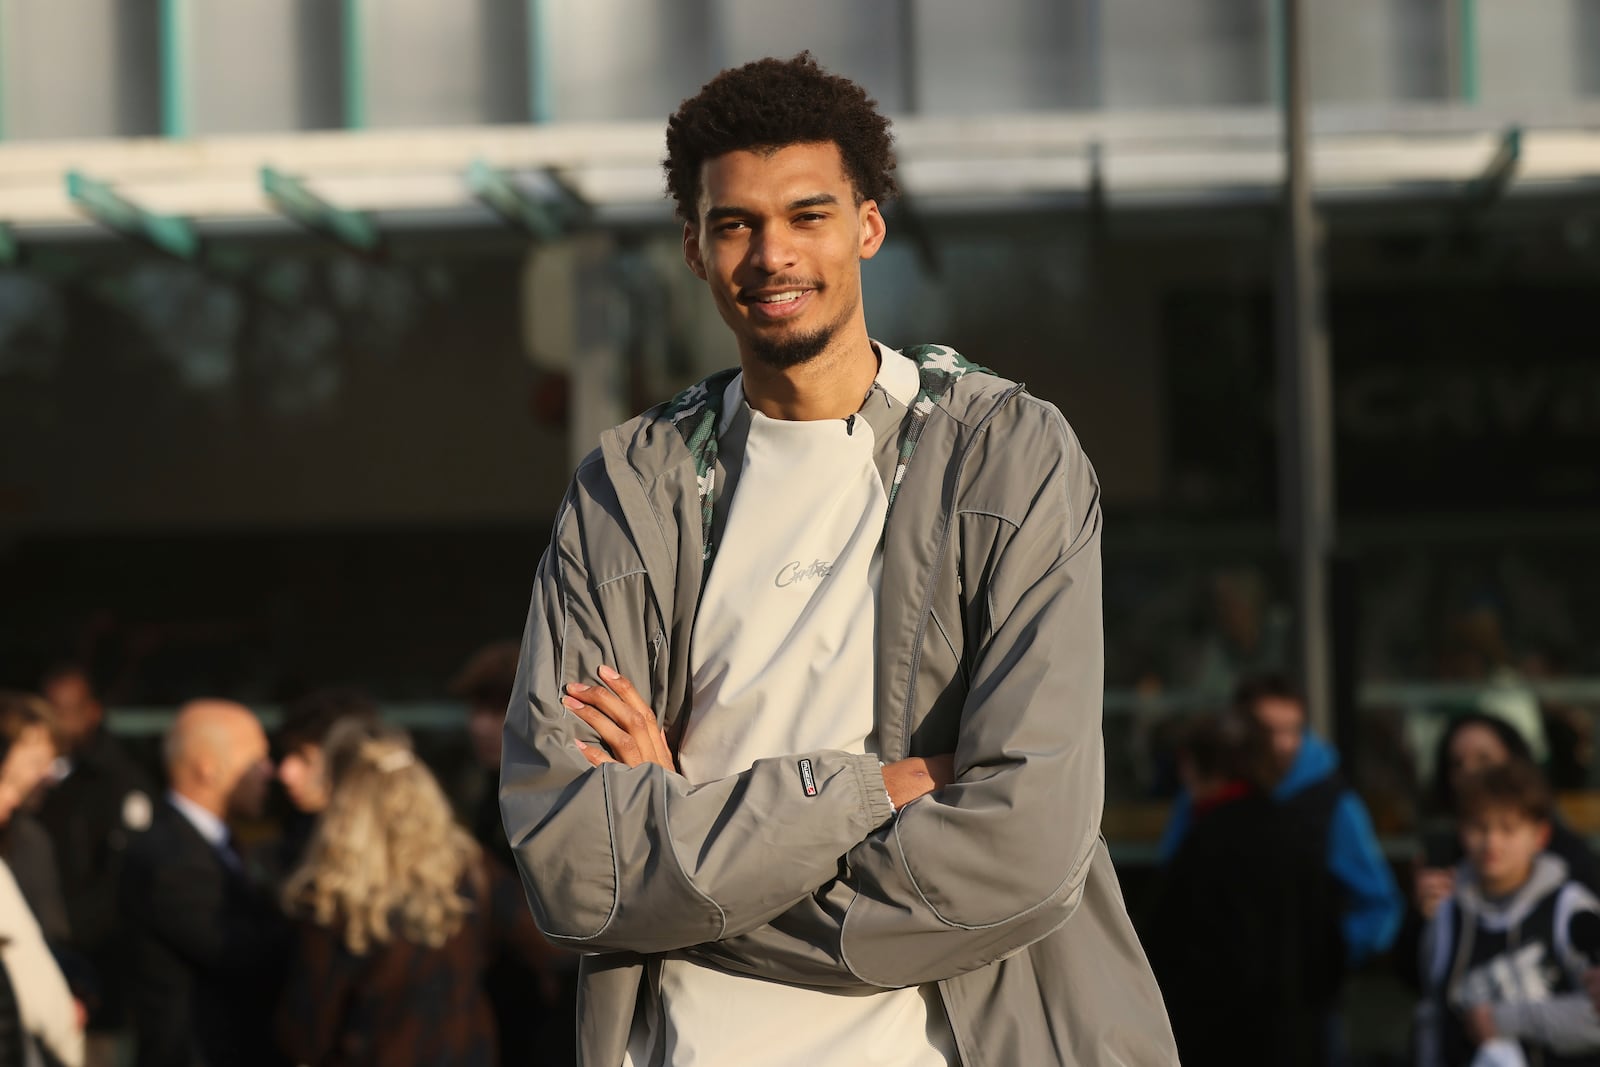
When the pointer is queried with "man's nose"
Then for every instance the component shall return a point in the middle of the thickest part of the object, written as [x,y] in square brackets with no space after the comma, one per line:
[772,250]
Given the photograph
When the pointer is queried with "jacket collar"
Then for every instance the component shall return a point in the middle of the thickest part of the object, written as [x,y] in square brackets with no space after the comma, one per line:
[1548,875]
[696,413]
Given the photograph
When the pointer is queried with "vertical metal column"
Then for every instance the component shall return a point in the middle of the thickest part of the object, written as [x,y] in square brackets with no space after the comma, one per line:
[354,29]
[1305,400]
[1092,26]
[1469,88]
[538,71]
[1461,48]
[176,68]
[910,82]
[4,37]
[1276,43]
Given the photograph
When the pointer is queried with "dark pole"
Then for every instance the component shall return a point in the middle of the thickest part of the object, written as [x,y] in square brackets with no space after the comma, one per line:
[1305,441]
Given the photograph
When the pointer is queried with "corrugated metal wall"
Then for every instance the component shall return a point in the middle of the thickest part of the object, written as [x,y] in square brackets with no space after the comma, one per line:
[97,68]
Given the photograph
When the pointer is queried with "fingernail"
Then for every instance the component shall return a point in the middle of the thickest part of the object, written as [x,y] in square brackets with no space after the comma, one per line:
[573,704]
[580,744]
[577,687]
[608,674]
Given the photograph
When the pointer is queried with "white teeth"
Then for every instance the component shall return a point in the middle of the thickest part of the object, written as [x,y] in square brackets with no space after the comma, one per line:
[783,298]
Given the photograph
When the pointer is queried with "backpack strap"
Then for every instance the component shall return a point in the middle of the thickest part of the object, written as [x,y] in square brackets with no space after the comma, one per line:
[938,369]
[697,412]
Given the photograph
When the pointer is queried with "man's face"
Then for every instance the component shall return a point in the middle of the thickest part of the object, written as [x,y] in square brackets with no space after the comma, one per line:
[76,708]
[1284,723]
[779,238]
[27,763]
[485,723]
[302,773]
[1502,843]
[247,769]
[1474,748]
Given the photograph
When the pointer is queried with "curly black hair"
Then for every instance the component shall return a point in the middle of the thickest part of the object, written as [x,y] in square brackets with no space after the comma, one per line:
[771,103]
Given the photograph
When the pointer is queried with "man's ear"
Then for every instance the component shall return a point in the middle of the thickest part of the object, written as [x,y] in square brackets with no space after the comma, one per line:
[1544,835]
[207,768]
[873,228]
[691,250]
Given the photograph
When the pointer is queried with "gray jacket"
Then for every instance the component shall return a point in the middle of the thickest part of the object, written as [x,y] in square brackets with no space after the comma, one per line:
[998,888]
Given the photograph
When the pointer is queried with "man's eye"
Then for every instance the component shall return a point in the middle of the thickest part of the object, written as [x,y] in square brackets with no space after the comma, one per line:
[811,216]
[731,227]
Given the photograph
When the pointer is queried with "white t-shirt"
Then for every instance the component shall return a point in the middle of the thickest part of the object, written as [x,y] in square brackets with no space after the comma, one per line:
[783,662]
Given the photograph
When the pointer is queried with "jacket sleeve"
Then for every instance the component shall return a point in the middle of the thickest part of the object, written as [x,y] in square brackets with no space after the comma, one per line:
[997,860]
[1373,907]
[1566,1024]
[638,859]
[43,1003]
[1177,827]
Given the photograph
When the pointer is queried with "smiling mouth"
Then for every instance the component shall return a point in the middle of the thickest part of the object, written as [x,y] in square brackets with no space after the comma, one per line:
[777,305]
[778,298]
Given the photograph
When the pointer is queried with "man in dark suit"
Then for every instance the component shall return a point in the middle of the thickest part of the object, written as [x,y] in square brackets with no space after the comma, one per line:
[204,943]
[100,802]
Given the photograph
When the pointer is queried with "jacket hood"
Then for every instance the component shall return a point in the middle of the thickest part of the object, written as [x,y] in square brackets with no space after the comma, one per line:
[1549,874]
[1316,761]
[684,429]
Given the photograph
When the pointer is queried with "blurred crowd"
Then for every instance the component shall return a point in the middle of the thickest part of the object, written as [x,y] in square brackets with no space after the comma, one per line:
[159,915]
[160,919]
[1274,889]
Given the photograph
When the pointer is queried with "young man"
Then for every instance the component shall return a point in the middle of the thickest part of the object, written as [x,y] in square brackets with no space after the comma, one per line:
[1505,957]
[302,765]
[1226,933]
[837,555]
[101,802]
[1303,774]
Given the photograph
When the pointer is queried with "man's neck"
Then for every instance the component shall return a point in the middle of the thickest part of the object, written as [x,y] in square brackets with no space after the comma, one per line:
[1506,888]
[201,800]
[830,386]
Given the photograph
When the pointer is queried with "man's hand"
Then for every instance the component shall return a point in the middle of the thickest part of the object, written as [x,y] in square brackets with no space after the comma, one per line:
[1479,1021]
[1432,886]
[622,719]
[917,776]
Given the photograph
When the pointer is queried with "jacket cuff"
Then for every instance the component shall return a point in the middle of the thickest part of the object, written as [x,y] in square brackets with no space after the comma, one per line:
[874,790]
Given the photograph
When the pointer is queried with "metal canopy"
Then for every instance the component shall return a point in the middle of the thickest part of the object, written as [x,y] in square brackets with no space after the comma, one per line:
[425,178]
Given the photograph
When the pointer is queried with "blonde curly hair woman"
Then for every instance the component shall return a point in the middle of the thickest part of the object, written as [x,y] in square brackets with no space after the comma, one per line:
[397,919]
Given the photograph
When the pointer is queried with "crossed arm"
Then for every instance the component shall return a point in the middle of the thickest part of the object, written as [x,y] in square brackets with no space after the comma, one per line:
[633,736]
[989,853]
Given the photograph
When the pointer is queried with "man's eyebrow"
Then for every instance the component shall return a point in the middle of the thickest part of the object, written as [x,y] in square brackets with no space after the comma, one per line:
[733,211]
[820,200]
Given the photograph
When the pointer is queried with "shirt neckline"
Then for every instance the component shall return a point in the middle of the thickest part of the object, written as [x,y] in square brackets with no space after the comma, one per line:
[209,826]
[897,377]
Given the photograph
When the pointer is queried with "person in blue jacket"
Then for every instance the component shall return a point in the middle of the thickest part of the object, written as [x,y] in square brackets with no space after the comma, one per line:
[1358,904]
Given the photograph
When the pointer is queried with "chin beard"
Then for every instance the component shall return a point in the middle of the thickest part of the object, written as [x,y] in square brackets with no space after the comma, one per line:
[781,353]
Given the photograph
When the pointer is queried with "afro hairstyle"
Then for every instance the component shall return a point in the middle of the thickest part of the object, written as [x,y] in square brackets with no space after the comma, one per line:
[771,103]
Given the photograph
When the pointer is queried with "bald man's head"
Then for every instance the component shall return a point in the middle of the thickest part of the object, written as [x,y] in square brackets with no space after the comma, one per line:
[217,757]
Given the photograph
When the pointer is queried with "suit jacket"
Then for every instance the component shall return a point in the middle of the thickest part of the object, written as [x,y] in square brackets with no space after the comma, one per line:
[92,816]
[204,952]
